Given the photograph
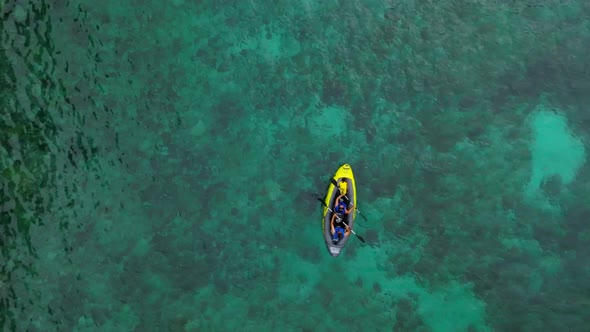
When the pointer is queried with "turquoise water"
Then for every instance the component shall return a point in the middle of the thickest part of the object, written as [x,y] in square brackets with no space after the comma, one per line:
[159,162]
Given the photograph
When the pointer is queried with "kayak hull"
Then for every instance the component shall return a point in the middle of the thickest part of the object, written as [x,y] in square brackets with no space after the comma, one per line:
[344,172]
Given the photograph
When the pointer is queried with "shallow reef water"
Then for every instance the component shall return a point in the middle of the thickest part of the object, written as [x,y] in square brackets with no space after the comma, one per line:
[159,164]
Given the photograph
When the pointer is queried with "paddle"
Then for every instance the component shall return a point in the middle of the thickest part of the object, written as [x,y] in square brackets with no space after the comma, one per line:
[336,185]
[353,232]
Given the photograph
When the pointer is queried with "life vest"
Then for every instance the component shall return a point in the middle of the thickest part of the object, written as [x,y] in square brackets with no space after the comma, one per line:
[343,187]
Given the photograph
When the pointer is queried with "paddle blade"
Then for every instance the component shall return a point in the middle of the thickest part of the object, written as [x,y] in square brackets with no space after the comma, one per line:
[361,238]
[362,215]
[321,201]
[334,182]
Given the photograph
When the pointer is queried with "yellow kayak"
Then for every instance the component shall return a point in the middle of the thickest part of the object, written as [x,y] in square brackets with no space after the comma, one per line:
[344,179]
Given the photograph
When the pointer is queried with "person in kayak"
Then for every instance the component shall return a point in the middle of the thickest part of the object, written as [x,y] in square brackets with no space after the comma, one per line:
[339,229]
[341,207]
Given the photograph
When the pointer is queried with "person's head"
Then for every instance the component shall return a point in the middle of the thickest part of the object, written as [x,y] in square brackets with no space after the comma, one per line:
[341,207]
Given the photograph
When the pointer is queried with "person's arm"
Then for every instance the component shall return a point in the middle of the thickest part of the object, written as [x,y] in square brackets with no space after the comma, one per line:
[351,208]
[347,233]
[332,224]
